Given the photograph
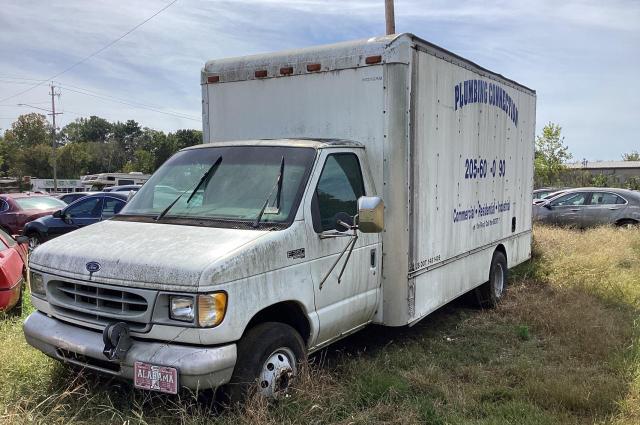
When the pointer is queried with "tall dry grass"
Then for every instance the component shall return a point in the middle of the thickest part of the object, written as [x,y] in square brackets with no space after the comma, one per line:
[563,348]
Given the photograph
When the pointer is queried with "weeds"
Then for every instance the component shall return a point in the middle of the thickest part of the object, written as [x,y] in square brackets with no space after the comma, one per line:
[563,348]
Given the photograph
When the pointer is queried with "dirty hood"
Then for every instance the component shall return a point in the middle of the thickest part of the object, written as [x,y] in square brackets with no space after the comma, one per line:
[148,255]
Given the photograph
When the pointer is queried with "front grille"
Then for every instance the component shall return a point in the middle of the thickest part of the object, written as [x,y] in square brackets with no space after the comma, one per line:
[107,300]
[102,304]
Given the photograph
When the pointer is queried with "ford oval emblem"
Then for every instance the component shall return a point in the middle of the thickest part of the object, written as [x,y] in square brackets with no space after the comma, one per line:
[93,266]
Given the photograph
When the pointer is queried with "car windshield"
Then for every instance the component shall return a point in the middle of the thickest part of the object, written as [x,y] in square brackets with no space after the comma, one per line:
[234,191]
[40,203]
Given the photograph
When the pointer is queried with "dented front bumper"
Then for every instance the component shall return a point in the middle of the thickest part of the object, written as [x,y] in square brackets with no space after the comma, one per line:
[198,367]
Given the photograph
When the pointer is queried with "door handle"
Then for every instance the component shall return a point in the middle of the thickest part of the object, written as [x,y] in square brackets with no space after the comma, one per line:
[613,209]
[372,258]
[575,209]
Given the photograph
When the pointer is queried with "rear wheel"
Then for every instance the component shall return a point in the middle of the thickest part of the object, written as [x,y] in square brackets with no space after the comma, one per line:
[628,223]
[269,358]
[491,292]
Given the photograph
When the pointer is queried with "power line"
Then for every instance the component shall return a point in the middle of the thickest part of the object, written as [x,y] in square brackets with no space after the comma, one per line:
[132,104]
[92,54]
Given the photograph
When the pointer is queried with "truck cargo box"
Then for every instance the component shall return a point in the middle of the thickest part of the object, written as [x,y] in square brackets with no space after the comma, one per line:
[450,146]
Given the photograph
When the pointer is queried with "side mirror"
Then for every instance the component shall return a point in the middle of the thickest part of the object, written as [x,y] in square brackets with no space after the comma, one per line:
[548,206]
[22,239]
[370,214]
[130,194]
[67,219]
[57,214]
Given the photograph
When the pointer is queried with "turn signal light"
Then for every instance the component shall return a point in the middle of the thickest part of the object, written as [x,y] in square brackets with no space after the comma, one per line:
[213,79]
[313,67]
[211,309]
[286,70]
[261,73]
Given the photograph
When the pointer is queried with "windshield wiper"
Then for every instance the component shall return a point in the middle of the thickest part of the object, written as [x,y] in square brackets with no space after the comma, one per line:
[206,178]
[278,194]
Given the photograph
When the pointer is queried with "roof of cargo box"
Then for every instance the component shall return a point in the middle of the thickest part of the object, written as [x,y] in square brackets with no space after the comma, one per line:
[395,48]
[294,142]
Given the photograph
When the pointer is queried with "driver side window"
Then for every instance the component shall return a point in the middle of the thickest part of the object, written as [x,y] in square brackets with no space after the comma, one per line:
[339,187]
[86,208]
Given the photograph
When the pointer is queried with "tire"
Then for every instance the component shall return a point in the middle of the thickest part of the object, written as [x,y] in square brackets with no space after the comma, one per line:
[269,356]
[628,223]
[35,239]
[491,292]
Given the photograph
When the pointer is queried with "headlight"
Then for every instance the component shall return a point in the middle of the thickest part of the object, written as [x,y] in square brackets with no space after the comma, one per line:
[182,308]
[211,309]
[36,283]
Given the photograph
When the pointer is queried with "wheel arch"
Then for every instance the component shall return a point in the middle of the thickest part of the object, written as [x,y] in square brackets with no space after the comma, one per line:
[501,248]
[289,312]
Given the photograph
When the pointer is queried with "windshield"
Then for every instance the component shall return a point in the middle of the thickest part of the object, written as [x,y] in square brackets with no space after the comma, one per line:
[235,192]
[40,203]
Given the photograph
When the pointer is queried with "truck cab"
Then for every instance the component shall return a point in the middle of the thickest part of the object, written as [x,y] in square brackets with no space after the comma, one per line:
[226,243]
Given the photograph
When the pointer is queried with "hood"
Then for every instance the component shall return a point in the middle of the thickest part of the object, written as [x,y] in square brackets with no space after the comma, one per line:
[152,255]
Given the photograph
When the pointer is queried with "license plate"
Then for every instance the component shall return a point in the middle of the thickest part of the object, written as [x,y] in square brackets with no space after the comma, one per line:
[156,378]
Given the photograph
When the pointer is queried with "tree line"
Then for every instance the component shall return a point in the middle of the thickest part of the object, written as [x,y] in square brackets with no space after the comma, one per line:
[551,156]
[87,146]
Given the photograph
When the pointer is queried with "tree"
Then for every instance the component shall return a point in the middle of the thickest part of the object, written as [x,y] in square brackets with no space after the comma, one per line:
[551,154]
[92,129]
[631,156]
[29,130]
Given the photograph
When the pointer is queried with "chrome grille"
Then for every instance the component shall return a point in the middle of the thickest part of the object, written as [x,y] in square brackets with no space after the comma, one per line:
[102,304]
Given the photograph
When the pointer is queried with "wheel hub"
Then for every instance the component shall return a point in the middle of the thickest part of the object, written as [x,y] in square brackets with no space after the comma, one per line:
[277,373]
[498,280]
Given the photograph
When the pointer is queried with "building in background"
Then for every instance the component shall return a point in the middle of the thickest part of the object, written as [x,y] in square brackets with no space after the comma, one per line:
[64,185]
[610,173]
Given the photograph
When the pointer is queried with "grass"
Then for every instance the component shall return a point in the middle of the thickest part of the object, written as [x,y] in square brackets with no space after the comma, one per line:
[563,348]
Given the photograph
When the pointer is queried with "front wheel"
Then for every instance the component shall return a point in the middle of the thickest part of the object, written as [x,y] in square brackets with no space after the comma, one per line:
[269,358]
[491,292]
[627,223]
[34,240]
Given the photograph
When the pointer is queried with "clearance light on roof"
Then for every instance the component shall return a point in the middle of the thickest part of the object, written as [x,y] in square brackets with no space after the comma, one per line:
[213,79]
[370,60]
[288,70]
[261,73]
[313,67]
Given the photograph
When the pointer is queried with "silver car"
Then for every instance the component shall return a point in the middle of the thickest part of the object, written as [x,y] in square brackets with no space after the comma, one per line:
[590,206]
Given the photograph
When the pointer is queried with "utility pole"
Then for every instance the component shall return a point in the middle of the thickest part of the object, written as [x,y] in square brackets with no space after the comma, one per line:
[53,136]
[389,17]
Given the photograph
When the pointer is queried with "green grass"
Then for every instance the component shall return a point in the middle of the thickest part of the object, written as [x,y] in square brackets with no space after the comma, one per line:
[563,348]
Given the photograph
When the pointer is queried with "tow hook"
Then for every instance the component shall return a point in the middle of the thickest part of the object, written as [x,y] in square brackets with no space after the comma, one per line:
[116,341]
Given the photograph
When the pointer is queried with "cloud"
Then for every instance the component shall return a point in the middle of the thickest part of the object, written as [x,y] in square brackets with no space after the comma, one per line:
[580,55]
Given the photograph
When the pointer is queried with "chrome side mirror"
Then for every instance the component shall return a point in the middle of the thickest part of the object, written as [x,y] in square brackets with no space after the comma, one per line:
[370,214]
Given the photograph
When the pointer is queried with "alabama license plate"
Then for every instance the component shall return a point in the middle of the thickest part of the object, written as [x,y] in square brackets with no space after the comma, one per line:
[156,378]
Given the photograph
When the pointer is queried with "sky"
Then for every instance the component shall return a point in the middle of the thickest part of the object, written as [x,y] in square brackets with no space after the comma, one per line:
[581,56]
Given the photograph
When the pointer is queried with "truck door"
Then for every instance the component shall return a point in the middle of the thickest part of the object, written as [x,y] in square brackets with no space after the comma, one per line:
[343,305]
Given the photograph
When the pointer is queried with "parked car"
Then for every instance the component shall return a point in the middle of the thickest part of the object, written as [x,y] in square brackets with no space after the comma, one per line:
[87,210]
[13,258]
[69,198]
[591,206]
[17,209]
[123,188]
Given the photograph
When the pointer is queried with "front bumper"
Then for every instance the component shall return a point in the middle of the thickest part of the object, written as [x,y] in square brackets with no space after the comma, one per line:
[198,367]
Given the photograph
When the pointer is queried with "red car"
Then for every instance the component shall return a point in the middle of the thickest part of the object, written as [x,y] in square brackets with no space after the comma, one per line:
[13,257]
[17,209]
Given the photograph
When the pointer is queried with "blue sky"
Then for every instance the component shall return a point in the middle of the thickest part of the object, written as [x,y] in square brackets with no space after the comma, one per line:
[581,56]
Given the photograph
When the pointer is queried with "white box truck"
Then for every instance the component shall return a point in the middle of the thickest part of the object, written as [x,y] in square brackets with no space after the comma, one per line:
[361,182]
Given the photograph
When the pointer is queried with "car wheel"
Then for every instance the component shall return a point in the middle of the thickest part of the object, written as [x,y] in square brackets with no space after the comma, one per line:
[34,240]
[627,223]
[491,292]
[269,358]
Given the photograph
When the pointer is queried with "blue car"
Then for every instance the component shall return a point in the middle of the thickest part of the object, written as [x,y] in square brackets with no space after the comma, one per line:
[83,212]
